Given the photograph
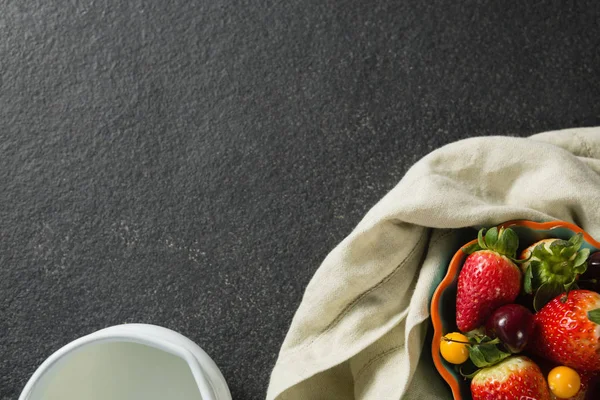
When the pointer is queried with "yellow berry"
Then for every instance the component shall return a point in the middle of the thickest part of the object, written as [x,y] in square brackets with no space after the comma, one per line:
[453,351]
[564,382]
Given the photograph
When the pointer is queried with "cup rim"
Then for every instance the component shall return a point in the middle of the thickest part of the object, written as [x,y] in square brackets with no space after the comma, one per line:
[140,334]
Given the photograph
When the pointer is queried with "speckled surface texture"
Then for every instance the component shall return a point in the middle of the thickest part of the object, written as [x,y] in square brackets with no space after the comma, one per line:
[190,163]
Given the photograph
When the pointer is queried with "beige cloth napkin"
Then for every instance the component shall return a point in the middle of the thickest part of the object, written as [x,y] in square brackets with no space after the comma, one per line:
[359,331]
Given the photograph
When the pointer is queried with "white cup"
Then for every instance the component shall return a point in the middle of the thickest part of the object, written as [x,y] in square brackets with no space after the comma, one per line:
[128,362]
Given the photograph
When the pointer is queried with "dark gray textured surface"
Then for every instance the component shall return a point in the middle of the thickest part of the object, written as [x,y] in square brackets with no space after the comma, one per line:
[189,164]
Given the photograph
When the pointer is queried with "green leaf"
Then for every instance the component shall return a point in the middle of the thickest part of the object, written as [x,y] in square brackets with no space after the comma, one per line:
[557,246]
[485,355]
[476,334]
[507,243]
[580,269]
[570,285]
[500,246]
[582,256]
[472,248]
[540,252]
[527,280]
[487,340]
[536,266]
[480,238]
[594,316]
[491,237]
[567,252]
[576,241]
[516,261]
[512,242]
[477,357]
[545,293]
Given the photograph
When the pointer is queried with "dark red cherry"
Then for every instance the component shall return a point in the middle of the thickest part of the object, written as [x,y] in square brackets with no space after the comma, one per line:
[513,325]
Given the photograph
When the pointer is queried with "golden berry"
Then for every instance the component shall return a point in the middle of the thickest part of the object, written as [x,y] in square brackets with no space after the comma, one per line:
[454,348]
[564,382]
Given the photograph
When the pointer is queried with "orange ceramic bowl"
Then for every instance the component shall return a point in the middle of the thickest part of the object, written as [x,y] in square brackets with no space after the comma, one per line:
[443,303]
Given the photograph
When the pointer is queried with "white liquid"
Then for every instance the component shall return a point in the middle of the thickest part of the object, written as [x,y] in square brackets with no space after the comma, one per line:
[118,371]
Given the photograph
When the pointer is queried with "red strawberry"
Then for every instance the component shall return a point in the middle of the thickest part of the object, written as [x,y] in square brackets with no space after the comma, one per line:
[488,279]
[513,378]
[553,266]
[567,330]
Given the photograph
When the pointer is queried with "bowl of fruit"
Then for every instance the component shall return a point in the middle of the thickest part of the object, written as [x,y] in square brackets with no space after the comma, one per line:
[517,315]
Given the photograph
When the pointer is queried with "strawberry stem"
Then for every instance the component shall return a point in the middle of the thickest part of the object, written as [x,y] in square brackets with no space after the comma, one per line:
[455,341]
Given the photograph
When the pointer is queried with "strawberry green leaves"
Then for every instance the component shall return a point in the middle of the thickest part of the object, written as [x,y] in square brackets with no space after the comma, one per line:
[503,241]
[485,354]
[553,268]
[484,351]
[507,243]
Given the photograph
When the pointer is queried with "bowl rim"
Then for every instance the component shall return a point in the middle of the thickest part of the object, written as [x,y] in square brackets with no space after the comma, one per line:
[449,277]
